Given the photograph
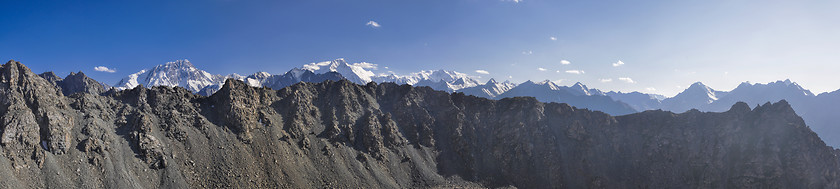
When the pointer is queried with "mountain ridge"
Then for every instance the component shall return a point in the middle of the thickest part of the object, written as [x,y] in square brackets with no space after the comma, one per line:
[697,96]
[345,135]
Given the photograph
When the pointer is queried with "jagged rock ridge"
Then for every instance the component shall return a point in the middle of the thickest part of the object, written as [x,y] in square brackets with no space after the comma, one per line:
[76,82]
[345,135]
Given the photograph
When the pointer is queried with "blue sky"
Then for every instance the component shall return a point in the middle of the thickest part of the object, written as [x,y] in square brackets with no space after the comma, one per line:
[664,45]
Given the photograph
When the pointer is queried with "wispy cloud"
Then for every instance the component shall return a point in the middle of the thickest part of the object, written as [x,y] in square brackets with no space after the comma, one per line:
[514,1]
[373,24]
[552,38]
[482,71]
[650,89]
[104,69]
[527,52]
[575,71]
[617,64]
[542,69]
[626,79]
[607,80]
[565,62]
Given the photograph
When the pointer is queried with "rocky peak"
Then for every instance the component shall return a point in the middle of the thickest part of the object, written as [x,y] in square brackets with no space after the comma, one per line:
[740,107]
[51,77]
[782,107]
[35,112]
[79,82]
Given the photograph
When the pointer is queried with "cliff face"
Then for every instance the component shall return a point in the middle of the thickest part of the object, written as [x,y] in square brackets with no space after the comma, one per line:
[339,134]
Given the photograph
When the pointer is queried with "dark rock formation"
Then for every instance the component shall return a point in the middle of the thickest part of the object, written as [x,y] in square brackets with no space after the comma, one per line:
[74,83]
[344,135]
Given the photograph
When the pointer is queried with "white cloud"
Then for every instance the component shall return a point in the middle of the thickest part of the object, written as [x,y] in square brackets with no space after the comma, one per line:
[386,67]
[366,65]
[607,80]
[626,79]
[565,62]
[373,24]
[558,71]
[482,71]
[104,69]
[542,69]
[575,71]
[650,89]
[510,77]
[552,38]
[617,64]
[514,1]
[527,52]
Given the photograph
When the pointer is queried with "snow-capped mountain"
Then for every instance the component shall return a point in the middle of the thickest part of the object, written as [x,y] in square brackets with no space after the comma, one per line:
[548,91]
[490,90]
[443,80]
[581,89]
[362,73]
[355,72]
[257,79]
[264,79]
[694,97]
[178,73]
[182,73]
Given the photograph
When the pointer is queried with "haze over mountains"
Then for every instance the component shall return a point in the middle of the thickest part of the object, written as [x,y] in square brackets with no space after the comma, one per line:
[339,134]
[817,110]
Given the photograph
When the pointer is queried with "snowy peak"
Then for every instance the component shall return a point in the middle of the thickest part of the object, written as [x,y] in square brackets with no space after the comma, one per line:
[699,89]
[257,79]
[356,72]
[580,89]
[363,72]
[698,86]
[549,84]
[695,96]
[491,89]
[177,73]
[183,73]
[543,85]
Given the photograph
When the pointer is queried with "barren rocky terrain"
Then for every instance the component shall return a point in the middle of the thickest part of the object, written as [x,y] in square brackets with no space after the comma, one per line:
[70,134]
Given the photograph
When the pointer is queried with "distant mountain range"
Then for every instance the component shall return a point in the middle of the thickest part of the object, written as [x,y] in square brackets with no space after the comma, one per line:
[817,110]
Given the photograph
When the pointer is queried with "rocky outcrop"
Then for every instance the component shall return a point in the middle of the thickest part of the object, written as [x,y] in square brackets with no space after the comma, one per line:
[337,134]
[74,83]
